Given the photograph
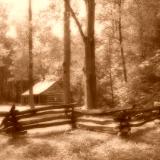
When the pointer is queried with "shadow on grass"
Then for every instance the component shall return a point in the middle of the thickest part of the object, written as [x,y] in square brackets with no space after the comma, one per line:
[18,141]
[40,151]
[148,135]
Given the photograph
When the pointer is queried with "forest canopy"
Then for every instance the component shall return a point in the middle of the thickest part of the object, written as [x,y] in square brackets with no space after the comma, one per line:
[122,35]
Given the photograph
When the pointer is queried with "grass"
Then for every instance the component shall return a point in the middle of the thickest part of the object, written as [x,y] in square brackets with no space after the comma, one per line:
[83,145]
[39,150]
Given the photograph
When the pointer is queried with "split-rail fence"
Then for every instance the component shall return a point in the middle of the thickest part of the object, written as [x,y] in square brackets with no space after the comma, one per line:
[114,121]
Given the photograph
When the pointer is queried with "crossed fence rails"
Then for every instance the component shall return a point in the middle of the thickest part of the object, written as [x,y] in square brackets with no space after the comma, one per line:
[113,121]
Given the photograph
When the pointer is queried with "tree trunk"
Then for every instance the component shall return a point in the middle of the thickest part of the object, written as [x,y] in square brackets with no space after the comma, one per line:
[89,42]
[67,54]
[30,42]
[90,74]
[121,41]
[141,29]
[110,69]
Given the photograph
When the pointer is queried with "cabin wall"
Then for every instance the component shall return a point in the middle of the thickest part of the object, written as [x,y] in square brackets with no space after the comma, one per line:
[38,99]
[55,93]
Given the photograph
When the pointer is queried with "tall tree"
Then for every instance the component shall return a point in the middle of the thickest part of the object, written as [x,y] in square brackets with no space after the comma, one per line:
[67,53]
[89,43]
[108,56]
[121,39]
[30,43]
[90,56]
[5,53]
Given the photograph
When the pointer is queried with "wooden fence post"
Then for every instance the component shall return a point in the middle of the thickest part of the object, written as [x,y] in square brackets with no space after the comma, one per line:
[11,123]
[124,126]
[73,118]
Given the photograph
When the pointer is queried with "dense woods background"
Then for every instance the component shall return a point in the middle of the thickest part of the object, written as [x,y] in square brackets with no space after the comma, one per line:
[127,50]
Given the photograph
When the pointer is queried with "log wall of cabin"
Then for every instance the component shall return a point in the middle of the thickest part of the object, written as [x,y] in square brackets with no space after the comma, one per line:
[55,94]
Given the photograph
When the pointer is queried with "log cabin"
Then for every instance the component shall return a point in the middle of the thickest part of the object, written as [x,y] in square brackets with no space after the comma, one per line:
[45,92]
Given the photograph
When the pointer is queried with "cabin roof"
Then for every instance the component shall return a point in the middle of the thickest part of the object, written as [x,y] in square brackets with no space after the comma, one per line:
[40,87]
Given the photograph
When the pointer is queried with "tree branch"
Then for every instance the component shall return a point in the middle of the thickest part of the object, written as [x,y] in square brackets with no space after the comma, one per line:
[76,20]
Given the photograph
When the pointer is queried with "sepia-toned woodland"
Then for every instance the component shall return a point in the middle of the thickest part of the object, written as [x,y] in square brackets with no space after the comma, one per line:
[106,52]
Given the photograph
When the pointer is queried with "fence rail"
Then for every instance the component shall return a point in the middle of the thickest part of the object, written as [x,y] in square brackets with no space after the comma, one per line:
[15,121]
[117,120]
[113,121]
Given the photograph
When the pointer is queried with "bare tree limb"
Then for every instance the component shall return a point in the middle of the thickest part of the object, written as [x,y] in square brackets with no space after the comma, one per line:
[76,21]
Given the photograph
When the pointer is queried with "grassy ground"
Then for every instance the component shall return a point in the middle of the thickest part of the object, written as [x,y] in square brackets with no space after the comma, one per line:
[143,144]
